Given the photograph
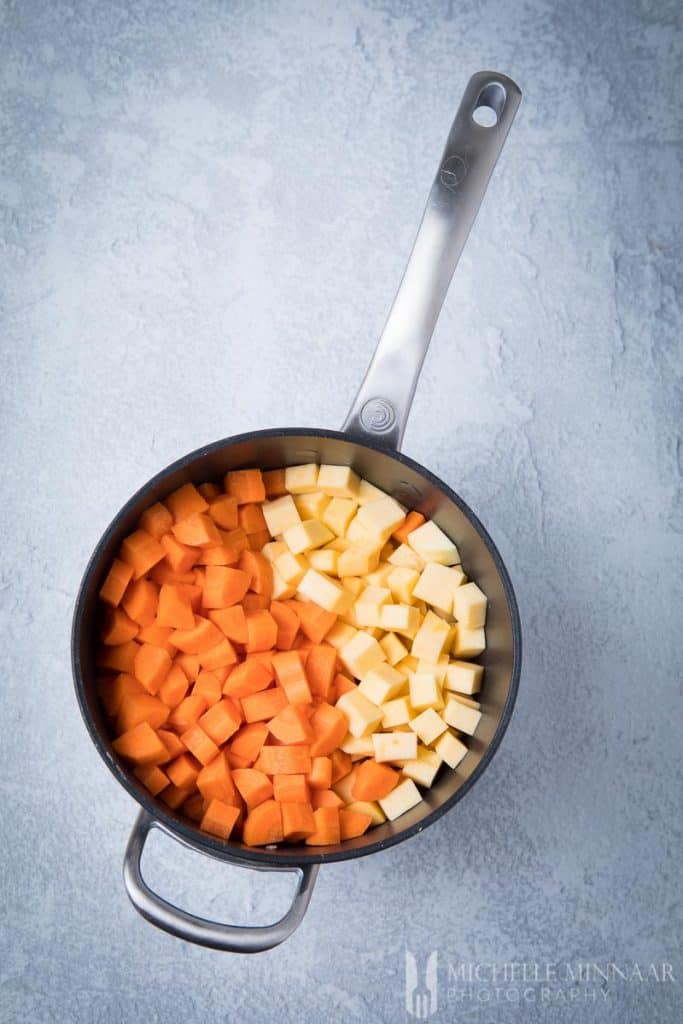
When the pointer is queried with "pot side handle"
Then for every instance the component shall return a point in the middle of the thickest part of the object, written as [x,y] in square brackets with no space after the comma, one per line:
[381,407]
[226,937]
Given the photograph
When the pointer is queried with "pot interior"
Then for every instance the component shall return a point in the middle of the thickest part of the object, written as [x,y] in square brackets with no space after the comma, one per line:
[411,485]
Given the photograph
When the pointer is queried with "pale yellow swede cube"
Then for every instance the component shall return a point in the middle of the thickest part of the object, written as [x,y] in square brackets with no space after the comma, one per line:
[324,560]
[361,654]
[407,558]
[382,683]
[369,604]
[340,634]
[280,514]
[274,549]
[394,746]
[428,725]
[311,505]
[467,643]
[464,677]
[338,481]
[437,668]
[325,592]
[393,648]
[380,518]
[401,799]
[436,586]
[401,618]
[460,716]
[379,576]
[401,582]
[469,606]
[432,544]
[301,478]
[311,533]
[357,747]
[339,514]
[424,690]
[369,807]
[430,639]
[344,786]
[291,568]
[450,749]
[423,768]
[358,560]
[396,712]
[281,591]
[362,715]
[368,492]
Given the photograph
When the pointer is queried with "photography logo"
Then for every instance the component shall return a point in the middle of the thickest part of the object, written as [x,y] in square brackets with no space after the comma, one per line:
[421,986]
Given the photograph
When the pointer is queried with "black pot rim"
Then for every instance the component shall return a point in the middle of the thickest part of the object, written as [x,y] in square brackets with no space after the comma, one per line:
[262,857]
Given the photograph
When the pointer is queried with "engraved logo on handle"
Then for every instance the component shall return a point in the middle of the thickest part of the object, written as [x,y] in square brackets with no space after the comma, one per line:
[378,415]
[453,172]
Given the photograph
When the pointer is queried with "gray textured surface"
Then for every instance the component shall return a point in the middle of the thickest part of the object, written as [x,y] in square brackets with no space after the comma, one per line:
[206,208]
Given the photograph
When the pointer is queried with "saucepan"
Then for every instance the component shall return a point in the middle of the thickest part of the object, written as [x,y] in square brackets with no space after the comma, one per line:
[369,442]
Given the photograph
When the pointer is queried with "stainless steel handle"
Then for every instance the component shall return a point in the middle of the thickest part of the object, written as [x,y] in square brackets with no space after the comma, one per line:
[227,937]
[381,407]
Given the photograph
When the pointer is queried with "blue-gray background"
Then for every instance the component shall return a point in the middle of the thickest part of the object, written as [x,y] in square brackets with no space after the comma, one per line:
[206,210]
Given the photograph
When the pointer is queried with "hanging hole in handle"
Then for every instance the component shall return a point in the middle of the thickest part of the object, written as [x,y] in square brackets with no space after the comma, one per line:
[489,105]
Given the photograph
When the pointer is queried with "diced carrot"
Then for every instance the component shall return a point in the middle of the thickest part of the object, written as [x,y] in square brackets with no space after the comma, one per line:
[179,556]
[246,485]
[274,483]
[189,663]
[320,775]
[204,635]
[113,690]
[199,744]
[287,624]
[185,502]
[291,789]
[197,531]
[297,820]
[263,825]
[330,726]
[193,593]
[157,636]
[221,721]
[235,761]
[224,586]
[220,656]
[255,602]
[261,631]
[209,491]
[208,686]
[174,745]
[187,713]
[163,573]
[223,511]
[326,798]
[251,519]
[151,777]
[141,745]
[235,540]
[291,677]
[342,684]
[175,607]
[373,781]
[260,572]
[156,520]
[314,621]
[183,771]
[140,602]
[263,658]
[290,760]
[327,832]
[341,765]
[174,796]
[410,523]
[219,819]
[258,707]
[215,780]
[117,628]
[194,806]
[248,741]
[141,551]
[174,687]
[254,786]
[232,622]
[141,707]
[320,669]
[151,666]
[248,677]
[118,659]
[291,725]
[115,583]
[352,823]
[257,540]
[217,554]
